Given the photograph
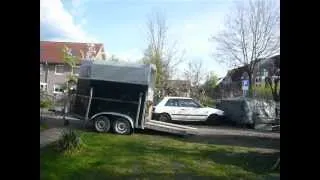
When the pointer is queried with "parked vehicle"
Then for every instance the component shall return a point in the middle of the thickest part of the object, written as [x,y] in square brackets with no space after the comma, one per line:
[185,109]
[117,97]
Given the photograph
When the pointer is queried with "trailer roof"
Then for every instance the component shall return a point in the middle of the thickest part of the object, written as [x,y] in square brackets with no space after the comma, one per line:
[117,71]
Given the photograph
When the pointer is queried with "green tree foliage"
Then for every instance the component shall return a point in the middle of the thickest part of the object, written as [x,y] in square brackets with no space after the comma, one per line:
[262,91]
[69,58]
[72,62]
[210,84]
[151,57]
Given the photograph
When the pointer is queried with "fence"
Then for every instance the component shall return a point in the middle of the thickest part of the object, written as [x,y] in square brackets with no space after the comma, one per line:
[51,106]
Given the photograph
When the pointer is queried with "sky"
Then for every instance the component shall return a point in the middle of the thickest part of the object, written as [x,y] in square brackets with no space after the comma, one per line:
[121,26]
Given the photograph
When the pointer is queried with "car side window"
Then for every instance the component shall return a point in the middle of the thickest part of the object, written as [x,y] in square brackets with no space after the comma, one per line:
[188,103]
[172,102]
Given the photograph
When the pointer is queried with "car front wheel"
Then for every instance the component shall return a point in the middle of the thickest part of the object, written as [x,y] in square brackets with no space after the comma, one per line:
[164,117]
[213,120]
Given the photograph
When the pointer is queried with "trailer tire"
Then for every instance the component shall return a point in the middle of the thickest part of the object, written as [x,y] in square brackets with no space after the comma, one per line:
[102,124]
[122,126]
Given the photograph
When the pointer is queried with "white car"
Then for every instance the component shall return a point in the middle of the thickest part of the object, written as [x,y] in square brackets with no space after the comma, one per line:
[184,109]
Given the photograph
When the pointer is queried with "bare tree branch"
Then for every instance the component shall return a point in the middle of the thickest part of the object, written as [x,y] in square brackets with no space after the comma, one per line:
[160,52]
[195,73]
[251,32]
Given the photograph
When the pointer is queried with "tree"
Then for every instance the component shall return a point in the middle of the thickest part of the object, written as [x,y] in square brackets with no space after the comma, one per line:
[273,81]
[71,61]
[210,83]
[251,32]
[162,71]
[159,52]
[195,74]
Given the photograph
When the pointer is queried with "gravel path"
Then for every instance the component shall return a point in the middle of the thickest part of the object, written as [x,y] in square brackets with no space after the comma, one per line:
[205,134]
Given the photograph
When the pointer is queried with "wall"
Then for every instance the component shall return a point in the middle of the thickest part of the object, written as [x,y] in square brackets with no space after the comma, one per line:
[55,78]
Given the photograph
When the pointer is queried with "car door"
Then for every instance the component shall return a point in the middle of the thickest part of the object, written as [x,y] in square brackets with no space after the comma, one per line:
[172,107]
[191,110]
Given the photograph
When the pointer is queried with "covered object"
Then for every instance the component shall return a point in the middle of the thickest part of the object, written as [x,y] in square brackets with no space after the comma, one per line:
[247,111]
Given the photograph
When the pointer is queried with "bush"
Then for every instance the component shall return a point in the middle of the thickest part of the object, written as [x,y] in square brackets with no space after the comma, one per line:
[262,92]
[69,141]
[43,127]
[46,103]
[207,101]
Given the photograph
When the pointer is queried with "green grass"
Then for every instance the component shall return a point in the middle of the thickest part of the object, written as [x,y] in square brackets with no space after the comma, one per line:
[43,127]
[108,156]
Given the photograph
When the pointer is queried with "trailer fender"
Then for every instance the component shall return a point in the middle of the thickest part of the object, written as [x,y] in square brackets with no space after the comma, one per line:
[115,114]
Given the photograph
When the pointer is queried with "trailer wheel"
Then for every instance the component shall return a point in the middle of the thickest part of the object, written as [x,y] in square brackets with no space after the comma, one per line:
[122,126]
[102,124]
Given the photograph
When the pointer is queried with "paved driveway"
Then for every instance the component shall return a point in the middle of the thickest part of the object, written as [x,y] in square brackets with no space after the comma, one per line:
[206,134]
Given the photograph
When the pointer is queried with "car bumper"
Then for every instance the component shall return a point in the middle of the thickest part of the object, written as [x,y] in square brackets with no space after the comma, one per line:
[155,116]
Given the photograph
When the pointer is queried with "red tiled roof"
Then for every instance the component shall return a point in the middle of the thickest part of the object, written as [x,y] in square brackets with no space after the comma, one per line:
[52,51]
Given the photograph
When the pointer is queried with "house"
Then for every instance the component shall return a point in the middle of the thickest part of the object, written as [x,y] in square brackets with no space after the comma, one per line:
[230,85]
[54,72]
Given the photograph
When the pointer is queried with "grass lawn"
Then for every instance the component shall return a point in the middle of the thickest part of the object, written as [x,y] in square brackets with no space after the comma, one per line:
[43,127]
[108,156]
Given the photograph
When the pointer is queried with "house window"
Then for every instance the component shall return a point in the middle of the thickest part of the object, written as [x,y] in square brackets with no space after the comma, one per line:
[76,70]
[59,69]
[43,86]
[265,73]
[245,75]
[58,89]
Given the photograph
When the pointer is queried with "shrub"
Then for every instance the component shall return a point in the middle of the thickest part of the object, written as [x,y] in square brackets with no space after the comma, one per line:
[262,92]
[69,141]
[46,103]
[43,127]
[207,101]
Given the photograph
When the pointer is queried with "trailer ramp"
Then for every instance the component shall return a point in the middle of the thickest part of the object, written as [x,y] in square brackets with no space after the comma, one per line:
[170,128]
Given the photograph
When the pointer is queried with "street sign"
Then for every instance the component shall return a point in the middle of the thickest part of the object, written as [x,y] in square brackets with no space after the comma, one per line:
[245,85]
